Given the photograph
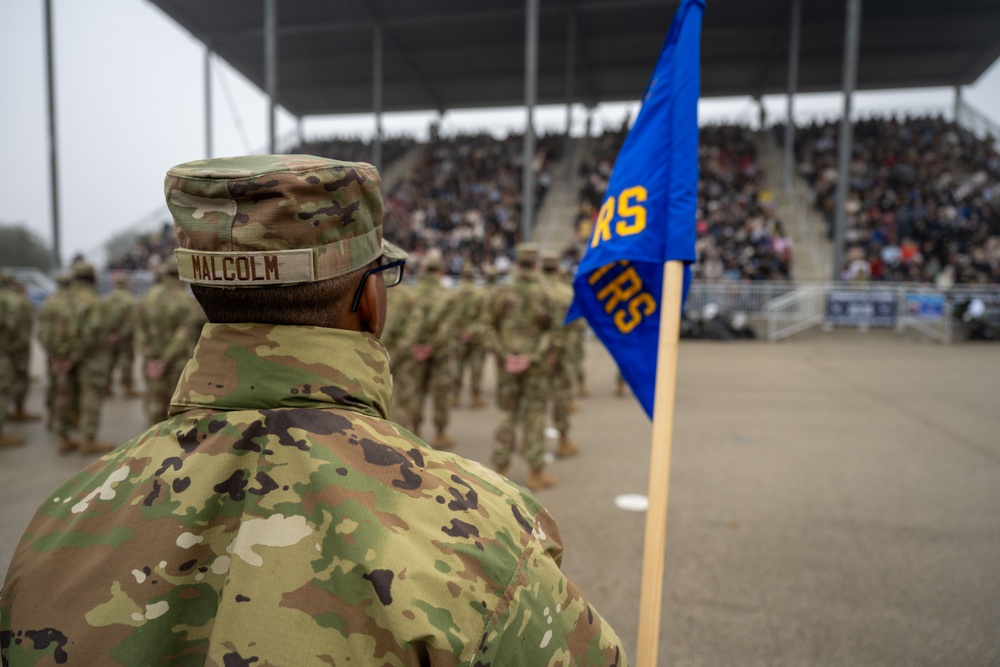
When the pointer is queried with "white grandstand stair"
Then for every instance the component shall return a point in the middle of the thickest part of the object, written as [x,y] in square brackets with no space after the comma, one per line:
[813,252]
[554,220]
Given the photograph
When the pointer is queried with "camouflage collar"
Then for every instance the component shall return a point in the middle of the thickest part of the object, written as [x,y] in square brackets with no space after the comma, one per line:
[264,366]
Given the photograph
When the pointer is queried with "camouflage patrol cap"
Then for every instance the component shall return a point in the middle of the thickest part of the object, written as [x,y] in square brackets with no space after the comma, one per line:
[527,253]
[271,220]
[432,260]
[550,260]
[83,271]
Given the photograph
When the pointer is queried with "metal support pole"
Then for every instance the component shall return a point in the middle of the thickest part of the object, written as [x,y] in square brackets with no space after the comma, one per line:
[300,130]
[570,65]
[271,67]
[530,98]
[852,40]
[794,40]
[53,145]
[208,101]
[958,104]
[377,95]
[570,87]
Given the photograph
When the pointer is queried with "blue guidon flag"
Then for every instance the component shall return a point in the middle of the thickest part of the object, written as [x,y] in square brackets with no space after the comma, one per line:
[648,214]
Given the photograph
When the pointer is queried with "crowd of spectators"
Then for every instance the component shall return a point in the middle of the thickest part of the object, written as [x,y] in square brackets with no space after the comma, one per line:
[147,251]
[922,203]
[357,149]
[463,198]
[739,236]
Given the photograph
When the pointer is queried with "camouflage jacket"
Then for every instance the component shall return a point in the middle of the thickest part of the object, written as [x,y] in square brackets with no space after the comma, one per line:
[167,323]
[73,324]
[121,306]
[470,315]
[278,518]
[9,321]
[423,313]
[523,318]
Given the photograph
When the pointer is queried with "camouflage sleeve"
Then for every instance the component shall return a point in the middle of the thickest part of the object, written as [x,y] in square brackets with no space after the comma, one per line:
[399,315]
[543,618]
[181,342]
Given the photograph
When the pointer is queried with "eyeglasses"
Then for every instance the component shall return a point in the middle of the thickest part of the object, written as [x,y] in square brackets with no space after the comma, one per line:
[392,274]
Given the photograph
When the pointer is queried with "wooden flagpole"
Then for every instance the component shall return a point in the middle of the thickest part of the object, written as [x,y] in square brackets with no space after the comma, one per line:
[650,600]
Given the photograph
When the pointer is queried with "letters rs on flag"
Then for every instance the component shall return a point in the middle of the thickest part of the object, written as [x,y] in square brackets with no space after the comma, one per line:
[648,214]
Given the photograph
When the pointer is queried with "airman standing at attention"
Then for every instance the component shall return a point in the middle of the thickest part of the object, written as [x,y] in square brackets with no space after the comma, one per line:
[470,301]
[121,306]
[523,335]
[576,333]
[21,351]
[8,331]
[73,330]
[562,383]
[422,340]
[168,322]
[277,516]
[51,321]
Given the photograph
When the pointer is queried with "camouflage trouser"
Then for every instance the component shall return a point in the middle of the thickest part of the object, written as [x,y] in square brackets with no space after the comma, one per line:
[6,387]
[521,399]
[122,359]
[561,391]
[92,376]
[472,355]
[412,382]
[65,402]
[20,360]
[160,390]
[574,364]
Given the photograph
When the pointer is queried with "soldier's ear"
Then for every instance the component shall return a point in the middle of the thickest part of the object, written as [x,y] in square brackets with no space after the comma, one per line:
[371,306]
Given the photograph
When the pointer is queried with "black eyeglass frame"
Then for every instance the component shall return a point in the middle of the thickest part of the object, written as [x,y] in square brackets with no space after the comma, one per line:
[401,263]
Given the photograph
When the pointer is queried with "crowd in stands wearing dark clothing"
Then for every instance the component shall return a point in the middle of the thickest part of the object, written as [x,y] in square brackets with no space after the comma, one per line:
[922,203]
[357,150]
[739,236]
[148,251]
[464,199]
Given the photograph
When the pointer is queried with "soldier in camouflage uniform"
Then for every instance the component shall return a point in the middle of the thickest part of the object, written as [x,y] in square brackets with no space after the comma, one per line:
[121,307]
[168,321]
[9,323]
[523,330]
[277,517]
[21,350]
[423,352]
[73,331]
[576,331]
[50,320]
[471,319]
[562,383]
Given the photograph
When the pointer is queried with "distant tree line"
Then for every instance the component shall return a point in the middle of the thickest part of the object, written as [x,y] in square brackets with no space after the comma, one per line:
[19,246]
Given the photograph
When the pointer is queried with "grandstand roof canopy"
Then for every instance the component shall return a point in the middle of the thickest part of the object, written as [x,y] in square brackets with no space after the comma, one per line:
[458,54]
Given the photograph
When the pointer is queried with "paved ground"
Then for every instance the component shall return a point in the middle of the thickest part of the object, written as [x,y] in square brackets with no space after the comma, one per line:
[834,500]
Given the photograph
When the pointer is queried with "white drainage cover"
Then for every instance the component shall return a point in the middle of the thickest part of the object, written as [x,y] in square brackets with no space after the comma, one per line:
[632,502]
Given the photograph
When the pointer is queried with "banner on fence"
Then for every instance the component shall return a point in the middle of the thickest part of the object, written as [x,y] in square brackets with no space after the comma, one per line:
[927,307]
[872,308]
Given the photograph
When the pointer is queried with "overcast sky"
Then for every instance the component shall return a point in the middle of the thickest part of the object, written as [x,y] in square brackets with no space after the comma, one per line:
[130,105]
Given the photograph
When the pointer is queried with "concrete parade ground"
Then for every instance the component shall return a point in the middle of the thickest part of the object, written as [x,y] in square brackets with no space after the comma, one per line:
[834,499]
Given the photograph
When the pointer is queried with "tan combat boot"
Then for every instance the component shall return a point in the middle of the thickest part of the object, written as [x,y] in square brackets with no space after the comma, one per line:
[66,445]
[583,393]
[566,448]
[10,440]
[539,479]
[501,468]
[22,415]
[442,441]
[93,446]
[476,401]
